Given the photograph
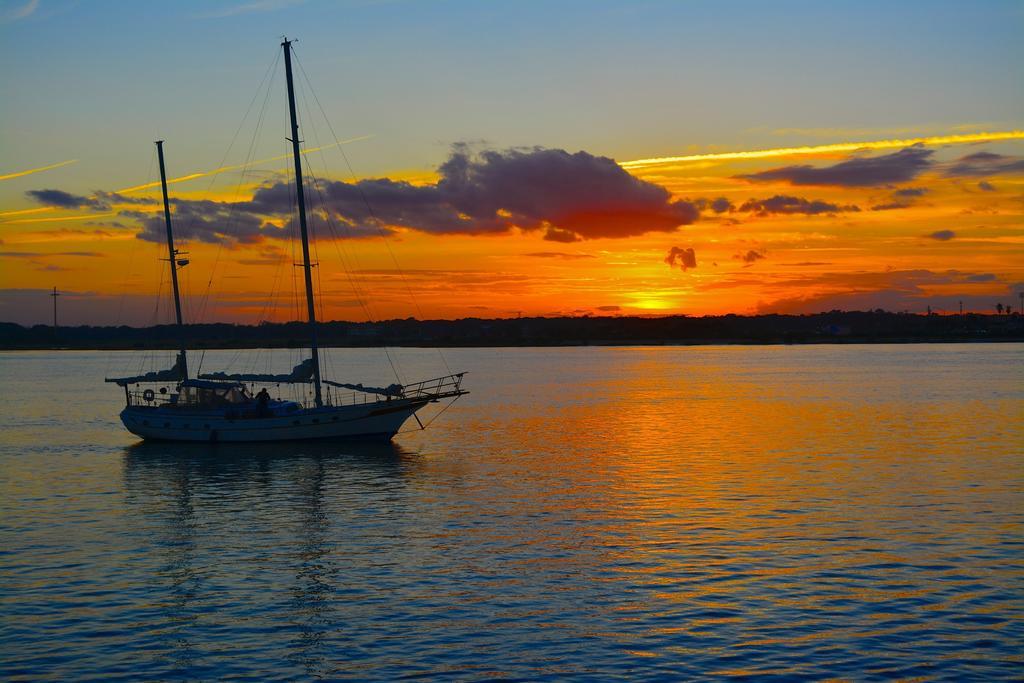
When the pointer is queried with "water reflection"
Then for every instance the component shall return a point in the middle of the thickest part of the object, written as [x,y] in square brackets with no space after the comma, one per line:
[657,514]
[205,505]
[225,462]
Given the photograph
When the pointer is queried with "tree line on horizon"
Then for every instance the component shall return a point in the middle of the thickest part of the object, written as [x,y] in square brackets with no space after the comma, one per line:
[833,326]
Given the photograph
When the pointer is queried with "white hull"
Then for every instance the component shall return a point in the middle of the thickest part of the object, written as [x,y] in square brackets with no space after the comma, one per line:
[378,420]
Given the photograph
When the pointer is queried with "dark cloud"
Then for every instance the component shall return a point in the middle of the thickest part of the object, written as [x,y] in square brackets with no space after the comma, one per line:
[553,234]
[886,169]
[982,164]
[901,198]
[942,235]
[568,197]
[590,196]
[609,309]
[268,256]
[719,205]
[896,290]
[207,221]
[790,205]
[986,186]
[750,257]
[35,254]
[685,258]
[65,200]
[558,255]
[111,197]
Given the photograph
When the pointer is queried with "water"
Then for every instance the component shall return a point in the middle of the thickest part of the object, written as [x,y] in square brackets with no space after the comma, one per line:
[643,513]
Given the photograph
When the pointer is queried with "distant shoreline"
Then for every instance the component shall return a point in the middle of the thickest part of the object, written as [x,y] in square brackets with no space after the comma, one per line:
[836,327]
[674,343]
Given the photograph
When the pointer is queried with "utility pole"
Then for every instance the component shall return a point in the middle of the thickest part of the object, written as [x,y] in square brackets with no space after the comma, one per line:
[961,309]
[55,294]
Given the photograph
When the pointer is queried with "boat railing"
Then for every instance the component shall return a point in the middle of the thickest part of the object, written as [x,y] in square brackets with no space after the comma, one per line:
[439,387]
[151,398]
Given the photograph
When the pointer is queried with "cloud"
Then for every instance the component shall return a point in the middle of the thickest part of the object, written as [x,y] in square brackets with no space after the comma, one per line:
[942,235]
[986,186]
[18,174]
[830,148]
[750,257]
[268,256]
[568,197]
[57,219]
[885,169]
[589,196]
[35,254]
[565,197]
[22,12]
[553,234]
[64,200]
[558,255]
[786,204]
[982,164]
[249,164]
[890,290]
[609,309]
[686,258]
[69,235]
[719,205]
[207,221]
[902,198]
[251,7]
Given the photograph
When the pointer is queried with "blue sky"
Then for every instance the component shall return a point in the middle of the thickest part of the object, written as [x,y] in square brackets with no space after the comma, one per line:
[99,80]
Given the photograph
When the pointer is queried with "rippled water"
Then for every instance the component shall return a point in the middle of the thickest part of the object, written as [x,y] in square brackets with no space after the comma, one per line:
[644,513]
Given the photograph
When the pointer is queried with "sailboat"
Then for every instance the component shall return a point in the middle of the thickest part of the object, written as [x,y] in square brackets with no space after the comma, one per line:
[170,405]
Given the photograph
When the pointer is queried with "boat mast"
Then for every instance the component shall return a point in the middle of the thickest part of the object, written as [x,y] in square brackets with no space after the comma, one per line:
[172,255]
[287,45]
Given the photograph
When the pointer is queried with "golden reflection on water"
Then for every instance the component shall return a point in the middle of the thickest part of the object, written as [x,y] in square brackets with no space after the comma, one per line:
[747,511]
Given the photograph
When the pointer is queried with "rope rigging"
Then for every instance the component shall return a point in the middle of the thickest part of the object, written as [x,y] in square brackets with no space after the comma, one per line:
[339,228]
[376,221]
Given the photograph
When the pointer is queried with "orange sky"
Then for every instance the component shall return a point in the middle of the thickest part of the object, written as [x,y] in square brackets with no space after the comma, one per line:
[960,238]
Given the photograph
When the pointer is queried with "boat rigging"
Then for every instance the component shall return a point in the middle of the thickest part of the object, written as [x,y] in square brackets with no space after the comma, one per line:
[223,406]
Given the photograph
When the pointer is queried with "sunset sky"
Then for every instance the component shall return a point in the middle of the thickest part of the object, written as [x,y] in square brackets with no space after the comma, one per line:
[495,159]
